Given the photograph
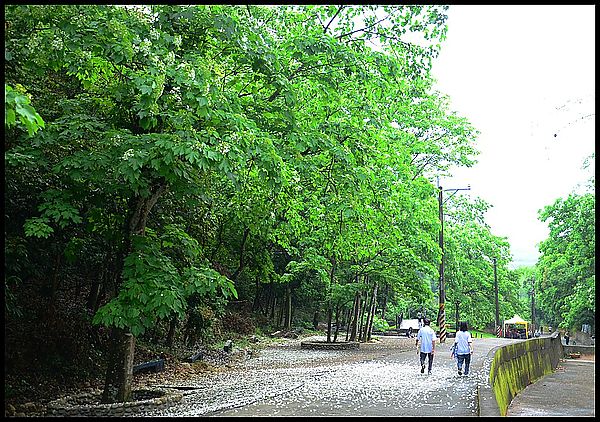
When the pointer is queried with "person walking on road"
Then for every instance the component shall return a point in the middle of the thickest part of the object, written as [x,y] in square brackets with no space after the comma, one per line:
[463,348]
[419,320]
[427,337]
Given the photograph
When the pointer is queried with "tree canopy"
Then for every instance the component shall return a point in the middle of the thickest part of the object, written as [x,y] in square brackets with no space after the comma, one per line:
[566,283]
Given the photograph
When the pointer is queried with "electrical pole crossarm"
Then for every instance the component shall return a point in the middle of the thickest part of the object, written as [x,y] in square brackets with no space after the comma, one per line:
[454,192]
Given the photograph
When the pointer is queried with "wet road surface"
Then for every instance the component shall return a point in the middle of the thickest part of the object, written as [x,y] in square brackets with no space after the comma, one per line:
[380,379]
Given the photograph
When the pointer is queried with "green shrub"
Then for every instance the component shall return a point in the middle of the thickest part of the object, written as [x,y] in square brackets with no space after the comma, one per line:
[380,324]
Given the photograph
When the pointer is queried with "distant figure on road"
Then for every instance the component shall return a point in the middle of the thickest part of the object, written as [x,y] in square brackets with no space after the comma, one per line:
[567,338]
[427,349]
[409,332]
[463,348]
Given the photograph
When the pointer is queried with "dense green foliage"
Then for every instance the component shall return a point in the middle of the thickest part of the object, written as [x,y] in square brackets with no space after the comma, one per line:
[470,249]
[255,131]
[566,288]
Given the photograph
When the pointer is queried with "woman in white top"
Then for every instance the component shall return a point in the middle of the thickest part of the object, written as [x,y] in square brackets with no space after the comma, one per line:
[463,348]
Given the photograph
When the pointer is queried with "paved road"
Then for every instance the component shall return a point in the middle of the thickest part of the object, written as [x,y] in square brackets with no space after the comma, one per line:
[379,379]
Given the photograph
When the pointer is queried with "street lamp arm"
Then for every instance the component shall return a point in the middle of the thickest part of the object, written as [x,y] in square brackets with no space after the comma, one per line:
[454,192]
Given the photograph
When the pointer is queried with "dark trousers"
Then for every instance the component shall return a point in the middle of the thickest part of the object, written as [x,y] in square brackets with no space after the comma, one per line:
[466,359]
[430,360]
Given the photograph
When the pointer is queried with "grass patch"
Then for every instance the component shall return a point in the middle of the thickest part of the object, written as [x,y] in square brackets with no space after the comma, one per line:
[477,334]
[482,334]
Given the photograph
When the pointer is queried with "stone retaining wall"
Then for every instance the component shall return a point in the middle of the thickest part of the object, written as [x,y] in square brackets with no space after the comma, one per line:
[584,350]
[517,365]
[322,345]
[581,339]
[79,405]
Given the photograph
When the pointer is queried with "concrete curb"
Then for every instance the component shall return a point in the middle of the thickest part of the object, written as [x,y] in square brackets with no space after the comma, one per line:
[74,405]
[321,345]
[486,400]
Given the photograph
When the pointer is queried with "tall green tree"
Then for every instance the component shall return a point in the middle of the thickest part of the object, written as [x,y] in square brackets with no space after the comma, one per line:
[566,287]
[470,250]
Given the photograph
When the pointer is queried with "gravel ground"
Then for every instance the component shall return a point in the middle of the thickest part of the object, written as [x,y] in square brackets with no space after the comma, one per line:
[381,378]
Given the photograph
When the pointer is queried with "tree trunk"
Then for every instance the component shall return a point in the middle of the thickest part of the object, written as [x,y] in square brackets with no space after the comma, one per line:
[92,299]
[361,321]
[269,301]
[126,370]
[119,374]
[329,317]
[273,306]
[385,298]
[337,323]
[316,319]
[346,321]
[372,312]
[354,332]
[457,323]
[349,319]
[265,302]
[257,293]
[171,333]
[367,310]
[329,304]
[281,311]
[288,316]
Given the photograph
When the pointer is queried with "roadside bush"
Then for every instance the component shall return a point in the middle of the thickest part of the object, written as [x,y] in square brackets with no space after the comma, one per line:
[238,323]
[380,324]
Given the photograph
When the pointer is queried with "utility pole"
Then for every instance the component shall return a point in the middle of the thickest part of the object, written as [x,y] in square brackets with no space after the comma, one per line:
[533,305]
[457,316]
[442,287]
[496,294]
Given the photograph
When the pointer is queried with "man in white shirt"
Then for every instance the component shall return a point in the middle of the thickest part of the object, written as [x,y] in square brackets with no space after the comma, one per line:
[427,337]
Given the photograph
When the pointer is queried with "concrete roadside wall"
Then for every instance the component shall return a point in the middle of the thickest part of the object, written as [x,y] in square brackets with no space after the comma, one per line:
[584,350]
[517,365]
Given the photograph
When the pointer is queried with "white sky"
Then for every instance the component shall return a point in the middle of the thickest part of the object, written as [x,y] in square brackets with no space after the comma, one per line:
[521,74]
